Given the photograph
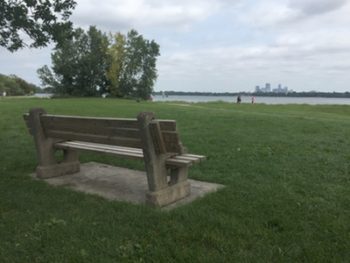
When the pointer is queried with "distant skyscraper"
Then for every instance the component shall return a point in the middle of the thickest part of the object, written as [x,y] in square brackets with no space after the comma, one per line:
[267,88]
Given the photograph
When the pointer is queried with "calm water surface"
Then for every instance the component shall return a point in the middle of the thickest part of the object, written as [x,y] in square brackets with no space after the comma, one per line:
[246,99]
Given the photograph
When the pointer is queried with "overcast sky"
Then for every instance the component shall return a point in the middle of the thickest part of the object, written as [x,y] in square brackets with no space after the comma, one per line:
[223,45]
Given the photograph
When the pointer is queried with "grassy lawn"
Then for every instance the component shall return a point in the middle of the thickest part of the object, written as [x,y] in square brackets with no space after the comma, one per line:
[287,198]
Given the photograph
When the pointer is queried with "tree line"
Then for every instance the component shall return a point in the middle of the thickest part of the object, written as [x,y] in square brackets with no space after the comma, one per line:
[15,86]
[84,63]
[92,63]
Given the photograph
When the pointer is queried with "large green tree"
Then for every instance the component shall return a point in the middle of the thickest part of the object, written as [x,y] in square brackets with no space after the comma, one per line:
[40,20]
[90,64]
[79,65]
[139,68]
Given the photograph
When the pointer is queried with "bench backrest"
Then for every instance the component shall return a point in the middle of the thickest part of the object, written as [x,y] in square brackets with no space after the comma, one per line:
[111,131]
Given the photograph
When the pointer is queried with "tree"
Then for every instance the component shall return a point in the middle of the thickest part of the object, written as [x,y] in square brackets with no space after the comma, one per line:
[14,86]
[40,20]
[139,69]
[24,86]
[116,56]
[79,65]
[149,70]
[48,80]
[89,64]
[96,62]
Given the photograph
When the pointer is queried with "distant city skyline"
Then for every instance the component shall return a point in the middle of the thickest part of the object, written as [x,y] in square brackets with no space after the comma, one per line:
[268,88]
[223,45]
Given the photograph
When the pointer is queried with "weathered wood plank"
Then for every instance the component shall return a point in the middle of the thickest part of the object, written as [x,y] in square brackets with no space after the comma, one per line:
[124,132]
[167,125]
[177,162]
[157,137]
[125,122]
[102,131]
[187,158]
[113,140]
[172,142]
[116,151]
[98,127]
[201,157]
[57,122]
[103,146]
[97,147]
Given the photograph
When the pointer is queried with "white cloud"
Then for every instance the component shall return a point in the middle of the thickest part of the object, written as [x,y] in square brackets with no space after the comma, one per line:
[124,14]
[312,7]
[274,13]
[295,59]
[269,13]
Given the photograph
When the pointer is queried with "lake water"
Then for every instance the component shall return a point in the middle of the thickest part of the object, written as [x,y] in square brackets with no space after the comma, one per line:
[247,99]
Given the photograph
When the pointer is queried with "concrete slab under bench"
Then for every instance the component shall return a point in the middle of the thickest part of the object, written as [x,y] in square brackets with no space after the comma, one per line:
[122,184]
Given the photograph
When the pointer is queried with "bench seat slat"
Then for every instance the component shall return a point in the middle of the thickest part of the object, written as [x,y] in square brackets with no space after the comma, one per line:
[115,150]
[173,161]
[200,157]
[186,158]
[103,146]
[134,153]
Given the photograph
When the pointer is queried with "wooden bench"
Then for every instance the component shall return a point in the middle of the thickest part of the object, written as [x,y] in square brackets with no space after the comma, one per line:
[154,141]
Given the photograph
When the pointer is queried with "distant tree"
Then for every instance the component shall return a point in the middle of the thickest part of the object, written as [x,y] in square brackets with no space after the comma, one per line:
[9,86]
[14,86]
[90,64]
[78,65]
[48,80]
[40,20]
[139,71]
[26,87]
[116,57]
[96,61]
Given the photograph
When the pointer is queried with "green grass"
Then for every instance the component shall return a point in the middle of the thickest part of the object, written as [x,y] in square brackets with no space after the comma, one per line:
[287,198]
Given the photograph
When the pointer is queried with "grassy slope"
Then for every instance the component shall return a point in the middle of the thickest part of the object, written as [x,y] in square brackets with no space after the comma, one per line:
[287,197]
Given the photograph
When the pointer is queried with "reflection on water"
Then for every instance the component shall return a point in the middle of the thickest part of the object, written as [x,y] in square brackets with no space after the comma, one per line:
[247,99]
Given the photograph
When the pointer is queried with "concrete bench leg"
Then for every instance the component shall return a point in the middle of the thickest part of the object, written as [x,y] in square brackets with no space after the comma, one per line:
[178,174]
[178,188]
[48,165]
[69,165]
[168,195]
